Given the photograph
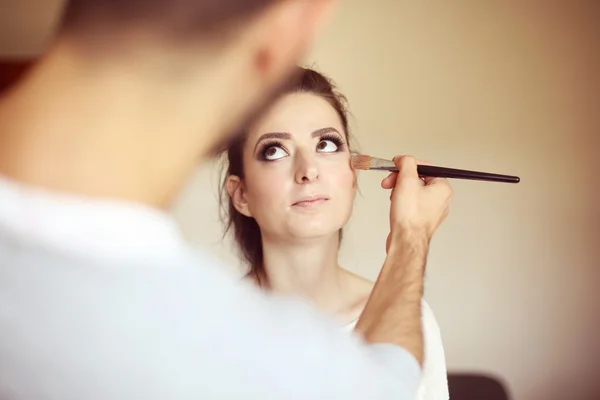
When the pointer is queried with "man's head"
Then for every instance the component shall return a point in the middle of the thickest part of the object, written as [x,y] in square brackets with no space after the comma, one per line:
[234,53]
[137,92]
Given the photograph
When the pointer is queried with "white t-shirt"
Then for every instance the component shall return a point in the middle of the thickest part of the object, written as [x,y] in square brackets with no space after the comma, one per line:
[434,381]
[102,299]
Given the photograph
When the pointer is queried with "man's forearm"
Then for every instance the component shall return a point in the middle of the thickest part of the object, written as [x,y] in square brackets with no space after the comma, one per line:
[393,312]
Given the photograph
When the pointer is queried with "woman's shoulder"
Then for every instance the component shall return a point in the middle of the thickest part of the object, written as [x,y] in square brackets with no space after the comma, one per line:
[428,316]
[363,287]
[359,284]
[360,288]
[357,291]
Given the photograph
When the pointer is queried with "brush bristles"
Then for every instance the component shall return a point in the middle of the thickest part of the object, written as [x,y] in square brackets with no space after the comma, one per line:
[361,162]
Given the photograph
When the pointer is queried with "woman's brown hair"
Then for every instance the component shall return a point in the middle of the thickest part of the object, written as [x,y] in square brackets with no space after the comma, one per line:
[246,231]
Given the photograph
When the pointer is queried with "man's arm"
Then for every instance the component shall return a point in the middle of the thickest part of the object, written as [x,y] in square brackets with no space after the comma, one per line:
[418,207]
[393,311]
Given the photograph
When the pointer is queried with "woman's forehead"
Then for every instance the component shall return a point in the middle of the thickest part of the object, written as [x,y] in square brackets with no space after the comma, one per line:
[297,113]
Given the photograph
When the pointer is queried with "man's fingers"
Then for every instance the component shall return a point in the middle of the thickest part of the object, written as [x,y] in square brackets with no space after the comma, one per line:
[407,169]
[407,166]
[390,181]
[431,180]
[426,179]
[441,185]
[422,162]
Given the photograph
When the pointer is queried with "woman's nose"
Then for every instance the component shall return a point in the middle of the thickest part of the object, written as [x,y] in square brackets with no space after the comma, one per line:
[307,169]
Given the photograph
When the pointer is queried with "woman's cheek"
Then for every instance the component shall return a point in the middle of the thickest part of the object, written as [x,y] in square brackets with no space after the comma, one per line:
[348,178]
[268,187]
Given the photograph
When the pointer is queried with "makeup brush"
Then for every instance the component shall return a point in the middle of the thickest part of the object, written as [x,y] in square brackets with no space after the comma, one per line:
[371,163]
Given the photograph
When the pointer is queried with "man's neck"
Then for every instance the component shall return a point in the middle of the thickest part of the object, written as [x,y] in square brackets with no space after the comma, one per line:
[308,269]
[96,130]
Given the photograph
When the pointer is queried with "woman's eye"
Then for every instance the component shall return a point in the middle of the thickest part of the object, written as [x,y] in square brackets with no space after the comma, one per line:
[274,153]
[327,146]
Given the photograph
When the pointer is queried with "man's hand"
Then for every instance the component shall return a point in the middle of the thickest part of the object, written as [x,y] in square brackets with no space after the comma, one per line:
[419,205]
[393,312]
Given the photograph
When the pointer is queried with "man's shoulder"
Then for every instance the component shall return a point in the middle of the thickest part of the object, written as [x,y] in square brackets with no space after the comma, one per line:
[176,328]
[41,281]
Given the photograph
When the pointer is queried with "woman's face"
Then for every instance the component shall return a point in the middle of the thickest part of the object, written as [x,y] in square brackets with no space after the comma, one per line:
[298,182]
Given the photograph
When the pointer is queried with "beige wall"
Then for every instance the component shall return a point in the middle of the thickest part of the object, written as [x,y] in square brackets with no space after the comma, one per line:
[493,86]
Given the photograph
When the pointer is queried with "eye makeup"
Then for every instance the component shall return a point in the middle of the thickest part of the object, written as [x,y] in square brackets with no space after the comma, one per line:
[265,148]
[268,148]
[335,139]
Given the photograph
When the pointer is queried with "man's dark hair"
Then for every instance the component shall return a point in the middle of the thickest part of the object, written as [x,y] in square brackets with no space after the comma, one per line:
[179,19]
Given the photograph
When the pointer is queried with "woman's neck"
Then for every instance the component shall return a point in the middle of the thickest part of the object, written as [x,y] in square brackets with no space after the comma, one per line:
[309,270]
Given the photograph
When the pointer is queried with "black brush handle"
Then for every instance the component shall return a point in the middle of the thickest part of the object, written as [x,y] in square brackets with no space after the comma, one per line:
[442,172]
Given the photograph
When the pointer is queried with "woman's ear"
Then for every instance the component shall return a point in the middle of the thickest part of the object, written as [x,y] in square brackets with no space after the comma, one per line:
[237,194]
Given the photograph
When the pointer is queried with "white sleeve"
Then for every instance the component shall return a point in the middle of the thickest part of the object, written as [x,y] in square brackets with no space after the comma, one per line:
[435,375]
[186,333]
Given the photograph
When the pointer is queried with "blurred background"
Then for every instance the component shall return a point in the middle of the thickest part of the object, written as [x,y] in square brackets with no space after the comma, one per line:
[501,86]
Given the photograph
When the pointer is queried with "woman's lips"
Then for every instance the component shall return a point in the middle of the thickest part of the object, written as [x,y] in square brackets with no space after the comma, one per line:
[310,201]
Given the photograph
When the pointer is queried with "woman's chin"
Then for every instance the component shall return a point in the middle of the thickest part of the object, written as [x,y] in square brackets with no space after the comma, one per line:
[314,230]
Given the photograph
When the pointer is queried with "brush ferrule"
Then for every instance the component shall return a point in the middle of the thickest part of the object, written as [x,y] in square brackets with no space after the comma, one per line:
[381,164]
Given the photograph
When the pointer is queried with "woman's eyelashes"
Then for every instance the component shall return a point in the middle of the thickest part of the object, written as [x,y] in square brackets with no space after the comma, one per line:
[275,150]
[272,150]
[330,143]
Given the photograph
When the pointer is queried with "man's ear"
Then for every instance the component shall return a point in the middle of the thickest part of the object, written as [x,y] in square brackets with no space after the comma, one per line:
[287,32]
[237,193]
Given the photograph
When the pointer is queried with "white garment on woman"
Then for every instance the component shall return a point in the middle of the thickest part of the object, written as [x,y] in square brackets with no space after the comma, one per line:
[434,381]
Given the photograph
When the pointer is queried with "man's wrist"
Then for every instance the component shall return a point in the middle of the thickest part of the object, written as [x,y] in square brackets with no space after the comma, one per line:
[406,242]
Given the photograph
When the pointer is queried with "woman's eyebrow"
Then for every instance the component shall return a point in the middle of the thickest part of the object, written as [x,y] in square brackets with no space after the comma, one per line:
[323,131]
[286,136]
[272,135]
